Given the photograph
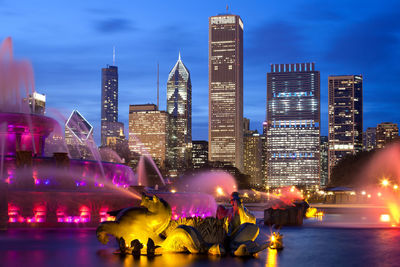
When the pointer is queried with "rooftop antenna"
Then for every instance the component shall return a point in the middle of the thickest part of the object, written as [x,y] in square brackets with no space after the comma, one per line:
[158,86]
[114,55]
[227,7]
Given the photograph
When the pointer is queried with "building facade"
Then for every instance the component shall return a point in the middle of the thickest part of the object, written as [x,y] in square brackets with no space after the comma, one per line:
[345,117]
[79,137]
[293,125]
[252,158]
[199,154]
[179,108]
[225,133]
[369,139]
[324,160]
[386,132]
[148,132]
[37,103]
[109,103]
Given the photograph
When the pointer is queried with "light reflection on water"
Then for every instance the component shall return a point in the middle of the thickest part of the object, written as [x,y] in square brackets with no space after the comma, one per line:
[304,246]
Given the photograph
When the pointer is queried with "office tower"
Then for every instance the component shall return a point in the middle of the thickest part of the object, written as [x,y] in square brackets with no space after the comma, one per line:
[79,136]
[345,117]
[109,103]
[246,126]
[324,160]
[37,103]
[225,68]
[265,153]
[179,108]
[386,132]
[148,132]
[369,139]
[199,154]
[252,158]
[293,125]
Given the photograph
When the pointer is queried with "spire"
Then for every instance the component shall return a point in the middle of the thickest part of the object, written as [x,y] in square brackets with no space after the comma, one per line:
[179,55]
[114,55]
[158,86]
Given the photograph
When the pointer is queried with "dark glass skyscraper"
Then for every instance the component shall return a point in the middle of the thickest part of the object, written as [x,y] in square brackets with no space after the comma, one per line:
[324,160]
[293,125]
[369,139]
[109,103]
[179,107]
[345,117]
[225,68]
[199,154]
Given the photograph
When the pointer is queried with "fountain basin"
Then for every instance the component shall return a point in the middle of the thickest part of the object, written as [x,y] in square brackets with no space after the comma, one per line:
[28,132]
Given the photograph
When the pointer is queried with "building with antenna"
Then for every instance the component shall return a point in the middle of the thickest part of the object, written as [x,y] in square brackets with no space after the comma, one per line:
[109,102]
[179,108]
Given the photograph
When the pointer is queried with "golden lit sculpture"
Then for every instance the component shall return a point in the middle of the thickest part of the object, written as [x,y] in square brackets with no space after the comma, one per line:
[194,235]
[142,223]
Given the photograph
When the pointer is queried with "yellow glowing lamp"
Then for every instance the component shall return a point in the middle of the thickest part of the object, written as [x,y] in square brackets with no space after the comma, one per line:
[395,187]
[385,218]
[220,191]
[311,212]
[276,241]
[385,182]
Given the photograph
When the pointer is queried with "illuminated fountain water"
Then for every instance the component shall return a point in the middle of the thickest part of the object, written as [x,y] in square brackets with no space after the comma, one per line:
[39,184]
[381,178]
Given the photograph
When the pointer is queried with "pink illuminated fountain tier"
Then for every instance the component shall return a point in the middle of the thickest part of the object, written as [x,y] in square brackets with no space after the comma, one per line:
[55,191]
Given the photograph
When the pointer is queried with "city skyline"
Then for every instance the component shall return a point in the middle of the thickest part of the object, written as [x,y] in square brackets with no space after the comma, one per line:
[71,64]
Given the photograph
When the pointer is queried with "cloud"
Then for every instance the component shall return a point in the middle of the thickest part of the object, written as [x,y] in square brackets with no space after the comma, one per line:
[114,25]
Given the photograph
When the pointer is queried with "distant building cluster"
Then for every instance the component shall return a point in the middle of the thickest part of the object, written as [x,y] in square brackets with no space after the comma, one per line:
[289,151]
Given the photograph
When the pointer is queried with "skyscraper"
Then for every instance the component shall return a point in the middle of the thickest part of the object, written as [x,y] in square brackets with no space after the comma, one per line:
[345,117]
[225,132]
[252,158]
[324,160]
[179,107]
[199,154]
[148,132]
[293,125]
[37,103]
[109,103]
[369,139]
[386,132]
[79,136]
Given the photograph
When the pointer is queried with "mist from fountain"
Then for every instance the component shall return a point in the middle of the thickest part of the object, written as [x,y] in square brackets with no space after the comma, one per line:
[381,177]
[16,86]
[216,183]
[139,148]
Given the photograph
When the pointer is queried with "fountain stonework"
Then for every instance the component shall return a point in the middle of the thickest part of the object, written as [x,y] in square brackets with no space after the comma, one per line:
[54,190]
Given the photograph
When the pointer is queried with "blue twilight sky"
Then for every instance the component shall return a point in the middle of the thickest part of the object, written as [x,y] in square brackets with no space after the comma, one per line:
[69,42]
